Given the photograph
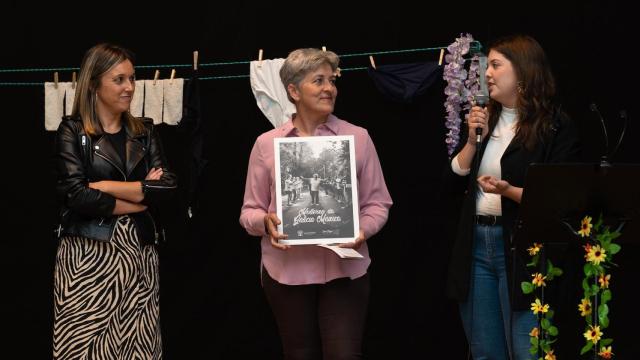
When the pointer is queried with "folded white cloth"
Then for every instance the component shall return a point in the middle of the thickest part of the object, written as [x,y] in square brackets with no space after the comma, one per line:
[153,95]
[137,102]
[69,96]
[172,108]
[270,94]
[53,105]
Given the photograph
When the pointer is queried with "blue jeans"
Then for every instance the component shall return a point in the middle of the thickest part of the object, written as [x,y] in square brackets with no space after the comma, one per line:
[486,312]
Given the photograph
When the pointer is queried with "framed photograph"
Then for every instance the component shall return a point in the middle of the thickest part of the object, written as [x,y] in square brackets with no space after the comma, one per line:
[317,189]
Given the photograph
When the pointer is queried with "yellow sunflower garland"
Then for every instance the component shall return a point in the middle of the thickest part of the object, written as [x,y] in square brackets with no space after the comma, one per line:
[599,250]
[542,336]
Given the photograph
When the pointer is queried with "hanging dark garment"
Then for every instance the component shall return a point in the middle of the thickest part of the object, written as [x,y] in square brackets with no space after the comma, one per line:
[192,126]
[405,82]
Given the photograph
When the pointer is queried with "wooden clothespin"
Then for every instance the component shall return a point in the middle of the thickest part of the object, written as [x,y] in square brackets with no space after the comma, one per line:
[55,79]
[324,48]
[195,60]
[73,80]
[441,56]
[156,76]
[260,58]
[373,63]
[173,74]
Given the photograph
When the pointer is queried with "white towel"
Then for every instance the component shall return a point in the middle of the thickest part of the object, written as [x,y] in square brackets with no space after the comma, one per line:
[137,102]
[172,108]
[69,96]
[53,105]
[153,100]
[270,94]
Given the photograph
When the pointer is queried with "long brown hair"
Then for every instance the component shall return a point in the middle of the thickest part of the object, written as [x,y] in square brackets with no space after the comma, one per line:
[96,62]
[536,88]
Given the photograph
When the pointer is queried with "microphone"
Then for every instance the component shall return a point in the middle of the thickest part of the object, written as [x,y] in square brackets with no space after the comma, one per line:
[594,108]
[623,115]
[482,97]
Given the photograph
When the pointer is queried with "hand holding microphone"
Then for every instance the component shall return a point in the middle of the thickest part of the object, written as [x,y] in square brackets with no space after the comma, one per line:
[478,120]
[478,116]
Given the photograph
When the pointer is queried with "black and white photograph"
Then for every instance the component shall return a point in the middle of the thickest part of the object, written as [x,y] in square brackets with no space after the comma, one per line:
[317,193]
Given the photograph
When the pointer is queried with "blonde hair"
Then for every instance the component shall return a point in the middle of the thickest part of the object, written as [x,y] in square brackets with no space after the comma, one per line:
[96,62]
[300,62]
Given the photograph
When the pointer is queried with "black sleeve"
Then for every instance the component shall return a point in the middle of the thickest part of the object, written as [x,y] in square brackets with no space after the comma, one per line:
[157,191]
[566,146]
[72,181]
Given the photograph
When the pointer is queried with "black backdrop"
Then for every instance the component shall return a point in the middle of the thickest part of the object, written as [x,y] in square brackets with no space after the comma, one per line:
[212,303]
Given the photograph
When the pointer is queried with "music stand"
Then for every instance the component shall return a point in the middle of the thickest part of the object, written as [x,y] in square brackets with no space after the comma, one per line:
[557,193]
[557,196]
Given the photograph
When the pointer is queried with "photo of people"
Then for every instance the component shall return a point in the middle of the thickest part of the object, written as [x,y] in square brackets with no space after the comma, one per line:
[317,189]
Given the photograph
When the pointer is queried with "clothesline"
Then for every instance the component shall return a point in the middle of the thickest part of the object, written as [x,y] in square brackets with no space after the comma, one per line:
[200,78]
[476,46]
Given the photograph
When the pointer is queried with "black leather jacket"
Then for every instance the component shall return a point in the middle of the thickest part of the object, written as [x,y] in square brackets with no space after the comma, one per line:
[81,159]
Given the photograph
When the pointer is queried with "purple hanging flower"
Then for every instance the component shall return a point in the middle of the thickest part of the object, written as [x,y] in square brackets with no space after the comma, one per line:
[472,84]
[462,86]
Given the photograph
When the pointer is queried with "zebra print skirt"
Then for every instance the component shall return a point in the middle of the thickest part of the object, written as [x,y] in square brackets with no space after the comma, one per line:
[107,298]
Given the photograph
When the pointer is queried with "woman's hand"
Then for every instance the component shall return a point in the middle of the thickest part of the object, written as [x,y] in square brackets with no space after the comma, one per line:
[98,185]
[490,184]
[357,242]
[478,118]
[271,223]
[154,174]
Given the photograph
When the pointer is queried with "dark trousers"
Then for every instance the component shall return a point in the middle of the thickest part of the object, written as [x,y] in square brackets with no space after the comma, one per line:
[320,321]
[314,197]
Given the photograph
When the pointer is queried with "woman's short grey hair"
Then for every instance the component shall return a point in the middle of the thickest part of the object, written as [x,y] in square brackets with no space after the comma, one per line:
[300,62]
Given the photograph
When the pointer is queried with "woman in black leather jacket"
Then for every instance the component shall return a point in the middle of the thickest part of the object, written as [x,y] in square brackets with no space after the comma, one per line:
[111,174]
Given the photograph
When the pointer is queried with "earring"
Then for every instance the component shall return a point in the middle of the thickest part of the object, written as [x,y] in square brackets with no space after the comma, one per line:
[520,87]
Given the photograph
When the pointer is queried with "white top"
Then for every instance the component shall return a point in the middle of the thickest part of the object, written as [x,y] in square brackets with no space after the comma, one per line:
[503,133]
[314,184]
